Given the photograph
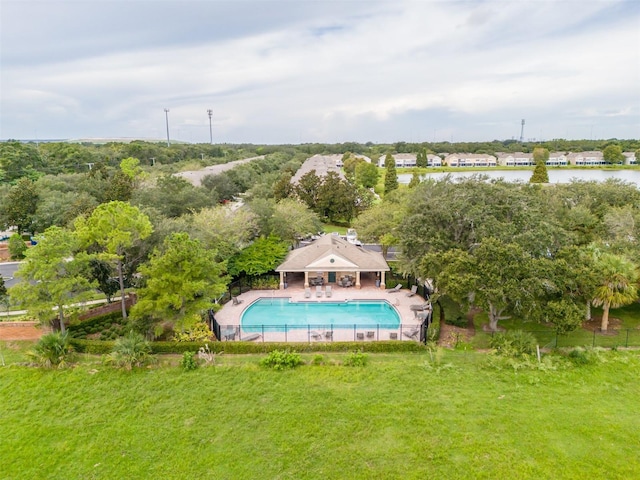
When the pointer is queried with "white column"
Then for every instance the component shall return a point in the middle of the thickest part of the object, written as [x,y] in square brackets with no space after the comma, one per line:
[358,279]
[306,279]
[281,280]
[382,284]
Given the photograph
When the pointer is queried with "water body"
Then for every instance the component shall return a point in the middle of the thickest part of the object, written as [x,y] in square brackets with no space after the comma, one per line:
[279,314]
[555,175]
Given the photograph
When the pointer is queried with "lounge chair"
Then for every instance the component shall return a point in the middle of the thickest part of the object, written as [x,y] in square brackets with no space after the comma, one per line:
[236,300]
[327,290]
[328,335]
[371,334]
[420,308]
[395,289]
[413,291]
[318,291]
[315,334]
[251,338]
[413,333]
[360,336]
[307,292]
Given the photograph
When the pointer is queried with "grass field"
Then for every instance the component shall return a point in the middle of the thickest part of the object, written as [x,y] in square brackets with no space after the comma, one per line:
[407,416]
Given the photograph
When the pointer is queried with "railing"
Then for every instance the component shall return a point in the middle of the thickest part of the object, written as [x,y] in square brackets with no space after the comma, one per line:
[583,338]
[323,333]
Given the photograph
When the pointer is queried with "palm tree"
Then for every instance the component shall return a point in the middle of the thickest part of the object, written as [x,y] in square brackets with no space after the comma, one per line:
[617,285]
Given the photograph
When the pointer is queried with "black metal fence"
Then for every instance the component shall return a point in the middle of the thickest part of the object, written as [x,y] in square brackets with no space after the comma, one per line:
[579,338]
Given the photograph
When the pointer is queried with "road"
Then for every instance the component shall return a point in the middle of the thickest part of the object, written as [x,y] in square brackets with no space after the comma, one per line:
[8,271]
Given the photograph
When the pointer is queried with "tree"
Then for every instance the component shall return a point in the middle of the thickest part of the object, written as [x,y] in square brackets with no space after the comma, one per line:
[261,257]
[181,280]
[496,276]
[114,227]
[379,224]
[17,247]
[390,176]
[283,188]
[20,205]
[422,159]
[225,230]
[617,285]
[415,180]
[613,154]
[307,189]
[336,198]
[174,196]
[102,274]
[292,220]
[367,174]
[53,276]
[540,174]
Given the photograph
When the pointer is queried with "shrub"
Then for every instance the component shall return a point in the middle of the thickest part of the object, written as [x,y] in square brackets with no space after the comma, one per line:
[514,343]
[318,359]
[189,362]
[281,360]
[17,247]
[356,359]
[585,356]
[130,351]
[200,332]
[52,351]
[458,321]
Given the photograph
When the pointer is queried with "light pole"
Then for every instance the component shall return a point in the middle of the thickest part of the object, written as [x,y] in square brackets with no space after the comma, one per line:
[166,114]
[210,113]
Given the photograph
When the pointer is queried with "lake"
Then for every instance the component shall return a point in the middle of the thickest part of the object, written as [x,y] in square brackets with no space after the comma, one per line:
[555,175]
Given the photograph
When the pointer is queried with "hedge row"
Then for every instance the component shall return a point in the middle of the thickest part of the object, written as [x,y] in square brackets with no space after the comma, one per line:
[100,347]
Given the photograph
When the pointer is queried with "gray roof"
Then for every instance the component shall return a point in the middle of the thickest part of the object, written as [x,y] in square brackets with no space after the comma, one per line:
[333,253]
[322,164]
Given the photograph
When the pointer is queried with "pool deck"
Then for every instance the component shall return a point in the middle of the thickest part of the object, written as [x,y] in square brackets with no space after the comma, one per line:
[229,316]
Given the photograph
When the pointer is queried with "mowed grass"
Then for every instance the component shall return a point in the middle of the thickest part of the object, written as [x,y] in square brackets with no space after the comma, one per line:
[400,417]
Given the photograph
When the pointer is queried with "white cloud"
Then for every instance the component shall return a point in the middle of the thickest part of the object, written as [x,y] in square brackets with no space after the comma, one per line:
[354,70]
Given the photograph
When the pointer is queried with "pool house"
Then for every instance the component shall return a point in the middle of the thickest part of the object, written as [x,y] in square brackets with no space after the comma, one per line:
[333,261]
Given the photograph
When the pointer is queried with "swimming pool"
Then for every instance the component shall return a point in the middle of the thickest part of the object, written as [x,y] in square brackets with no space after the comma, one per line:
[280,314]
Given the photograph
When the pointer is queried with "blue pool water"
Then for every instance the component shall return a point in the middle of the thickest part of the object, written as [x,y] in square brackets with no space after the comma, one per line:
[278,314]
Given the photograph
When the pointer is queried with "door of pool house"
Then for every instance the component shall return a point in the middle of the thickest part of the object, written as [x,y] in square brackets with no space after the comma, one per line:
[332,277]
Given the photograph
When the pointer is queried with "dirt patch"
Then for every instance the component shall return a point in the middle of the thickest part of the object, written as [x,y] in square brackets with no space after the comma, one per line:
[593,325]
[450,335]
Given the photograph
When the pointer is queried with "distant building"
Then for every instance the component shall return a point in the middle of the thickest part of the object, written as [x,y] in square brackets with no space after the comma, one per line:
[630,158]
[403,160]
[586,158]
[322,164]
[470,160]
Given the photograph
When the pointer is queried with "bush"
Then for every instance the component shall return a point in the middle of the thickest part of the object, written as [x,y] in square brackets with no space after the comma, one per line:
[52,351]
[130,351]
[356,359]
[281,360]
[17,247]
[200,332]
[189,362]
[515,343]
[318,359]
[458,321]
[585,356]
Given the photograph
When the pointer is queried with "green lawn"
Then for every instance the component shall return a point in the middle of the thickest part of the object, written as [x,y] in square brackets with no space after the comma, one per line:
[400,417]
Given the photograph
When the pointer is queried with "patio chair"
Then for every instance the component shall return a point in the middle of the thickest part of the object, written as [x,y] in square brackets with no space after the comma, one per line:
[327,290]
[318,291]
[328,335]
[413,333]
[315,334]
[236,300]
[229,334]
[395,289]
[307,292]
[414,290]
[371,334]
[360,336]
[420,308]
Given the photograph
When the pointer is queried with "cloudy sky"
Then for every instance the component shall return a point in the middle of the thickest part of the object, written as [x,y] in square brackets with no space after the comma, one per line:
[297,71]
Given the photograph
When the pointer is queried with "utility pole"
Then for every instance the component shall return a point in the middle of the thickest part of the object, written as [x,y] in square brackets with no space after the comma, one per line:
[166,114]
[210,113]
